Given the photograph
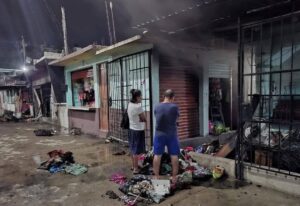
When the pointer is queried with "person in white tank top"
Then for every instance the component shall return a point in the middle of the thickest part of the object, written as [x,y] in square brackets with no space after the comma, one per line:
[136,133]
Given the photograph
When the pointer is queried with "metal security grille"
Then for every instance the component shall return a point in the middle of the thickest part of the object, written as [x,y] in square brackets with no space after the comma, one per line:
[269,91]
[124,74]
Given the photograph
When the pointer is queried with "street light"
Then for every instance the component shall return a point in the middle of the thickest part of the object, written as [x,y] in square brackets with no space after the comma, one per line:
[24,68]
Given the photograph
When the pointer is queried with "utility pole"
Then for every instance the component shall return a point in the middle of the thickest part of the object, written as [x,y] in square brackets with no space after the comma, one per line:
[113,21]
[64,27]
[23,49]
[108,23]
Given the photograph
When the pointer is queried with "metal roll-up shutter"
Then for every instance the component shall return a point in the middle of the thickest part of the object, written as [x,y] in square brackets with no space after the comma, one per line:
[219,70]
[185,84]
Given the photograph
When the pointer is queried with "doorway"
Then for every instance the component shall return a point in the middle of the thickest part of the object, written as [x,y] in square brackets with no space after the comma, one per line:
[220,102]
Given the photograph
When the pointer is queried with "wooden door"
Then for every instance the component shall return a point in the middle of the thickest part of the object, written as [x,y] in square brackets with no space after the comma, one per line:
[103,100]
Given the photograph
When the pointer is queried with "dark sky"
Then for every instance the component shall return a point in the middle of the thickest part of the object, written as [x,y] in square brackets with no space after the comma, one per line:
[39,21]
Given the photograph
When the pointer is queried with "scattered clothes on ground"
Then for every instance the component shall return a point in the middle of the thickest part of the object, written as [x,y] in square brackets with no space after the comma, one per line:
[186,177]
[61,161]
[118,178]
[55,169]
[75,169]
[143,188]
[128,200]
[44,132]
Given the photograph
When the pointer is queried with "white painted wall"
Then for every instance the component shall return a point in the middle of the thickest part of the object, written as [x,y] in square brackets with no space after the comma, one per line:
[63,119]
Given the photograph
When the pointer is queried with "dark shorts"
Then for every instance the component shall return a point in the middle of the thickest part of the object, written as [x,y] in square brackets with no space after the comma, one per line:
[160,142]
[136,141]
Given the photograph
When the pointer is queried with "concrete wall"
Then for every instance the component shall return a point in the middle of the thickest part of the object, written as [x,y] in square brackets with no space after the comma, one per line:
[287,184]
[279,182]
[210,162]
[87,121]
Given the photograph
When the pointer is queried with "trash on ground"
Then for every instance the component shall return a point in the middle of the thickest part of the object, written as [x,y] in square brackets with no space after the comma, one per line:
[75,131]
[218,172]
[119,153]
[44,132]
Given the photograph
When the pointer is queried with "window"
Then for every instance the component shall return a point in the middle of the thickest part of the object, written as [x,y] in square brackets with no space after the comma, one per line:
[83,88]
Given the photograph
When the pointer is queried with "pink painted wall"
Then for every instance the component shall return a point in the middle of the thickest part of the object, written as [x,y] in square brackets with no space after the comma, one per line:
[87,121]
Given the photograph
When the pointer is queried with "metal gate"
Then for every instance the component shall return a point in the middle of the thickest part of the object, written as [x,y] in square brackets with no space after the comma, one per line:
[269,96]
[124,74]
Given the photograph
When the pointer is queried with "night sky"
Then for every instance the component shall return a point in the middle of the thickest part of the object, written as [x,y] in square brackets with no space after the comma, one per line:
[39,21]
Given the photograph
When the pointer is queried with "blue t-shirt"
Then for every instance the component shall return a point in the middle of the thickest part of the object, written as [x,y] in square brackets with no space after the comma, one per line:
[166,115]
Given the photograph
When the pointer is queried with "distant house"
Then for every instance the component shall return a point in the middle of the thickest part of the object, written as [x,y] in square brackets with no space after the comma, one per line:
[48,88]
[13,91]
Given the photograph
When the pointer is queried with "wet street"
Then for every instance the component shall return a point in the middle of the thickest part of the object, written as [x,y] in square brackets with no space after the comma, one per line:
[21,183]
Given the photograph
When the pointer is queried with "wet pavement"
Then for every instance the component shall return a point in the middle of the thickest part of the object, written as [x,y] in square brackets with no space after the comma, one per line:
[22,184]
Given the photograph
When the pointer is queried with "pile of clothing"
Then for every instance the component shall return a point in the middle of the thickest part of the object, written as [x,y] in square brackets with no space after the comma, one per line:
[61,161]
[141,188]
[209,148]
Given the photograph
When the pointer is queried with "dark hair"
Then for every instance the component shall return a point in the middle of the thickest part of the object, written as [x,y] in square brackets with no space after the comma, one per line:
[169,94]
[135,93]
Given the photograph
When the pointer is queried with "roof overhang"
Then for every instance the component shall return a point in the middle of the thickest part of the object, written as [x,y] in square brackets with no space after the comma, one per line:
[3,70]
[77,56]
[126,47]
[48,57]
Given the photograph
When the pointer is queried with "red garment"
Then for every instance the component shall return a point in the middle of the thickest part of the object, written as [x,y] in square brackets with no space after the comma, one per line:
[24,107]
[55,153]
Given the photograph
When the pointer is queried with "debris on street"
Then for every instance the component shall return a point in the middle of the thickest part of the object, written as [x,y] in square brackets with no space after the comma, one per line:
[75,131]
[61,161]
[143,188]
[44,132]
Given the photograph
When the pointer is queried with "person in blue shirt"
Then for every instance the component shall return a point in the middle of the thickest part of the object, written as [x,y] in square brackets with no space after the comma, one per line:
[166,114]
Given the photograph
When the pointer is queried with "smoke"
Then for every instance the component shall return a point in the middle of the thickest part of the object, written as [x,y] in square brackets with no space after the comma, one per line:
[40,21]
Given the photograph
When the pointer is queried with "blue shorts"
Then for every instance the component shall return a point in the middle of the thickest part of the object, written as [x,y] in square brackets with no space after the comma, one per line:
[160,142]
[136,141]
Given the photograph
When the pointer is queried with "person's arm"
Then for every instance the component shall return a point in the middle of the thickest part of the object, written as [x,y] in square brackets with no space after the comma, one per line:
[143,117]
[177,120]
[141,114]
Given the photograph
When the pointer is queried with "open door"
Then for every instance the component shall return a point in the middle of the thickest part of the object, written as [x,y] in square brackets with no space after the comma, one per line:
[103,100]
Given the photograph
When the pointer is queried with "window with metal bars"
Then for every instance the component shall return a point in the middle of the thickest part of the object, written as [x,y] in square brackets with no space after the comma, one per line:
[270,91]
